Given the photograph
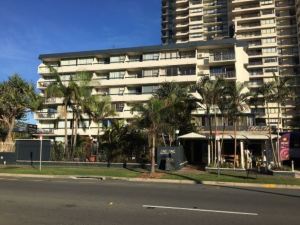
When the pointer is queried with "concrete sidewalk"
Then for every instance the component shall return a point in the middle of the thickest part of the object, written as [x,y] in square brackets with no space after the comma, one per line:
[152,180]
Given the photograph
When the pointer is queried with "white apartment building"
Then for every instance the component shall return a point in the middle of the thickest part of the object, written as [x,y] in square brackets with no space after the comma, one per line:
[268,26]
[194,20]
[133,74]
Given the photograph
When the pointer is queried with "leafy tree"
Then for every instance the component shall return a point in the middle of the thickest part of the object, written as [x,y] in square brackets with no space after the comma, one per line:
[178,107]
[17,98]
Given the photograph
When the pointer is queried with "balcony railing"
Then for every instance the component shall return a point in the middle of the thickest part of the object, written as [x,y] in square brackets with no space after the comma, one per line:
[222,57]
[239,128]
[46,115]
[227,74]
[46,131]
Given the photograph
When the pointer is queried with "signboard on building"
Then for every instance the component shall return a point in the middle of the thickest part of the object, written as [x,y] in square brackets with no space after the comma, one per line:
[284,147]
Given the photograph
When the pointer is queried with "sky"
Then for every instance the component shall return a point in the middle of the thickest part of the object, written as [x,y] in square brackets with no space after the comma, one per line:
[29,28]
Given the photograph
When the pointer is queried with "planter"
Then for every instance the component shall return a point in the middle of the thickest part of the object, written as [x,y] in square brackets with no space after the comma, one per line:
[279,173]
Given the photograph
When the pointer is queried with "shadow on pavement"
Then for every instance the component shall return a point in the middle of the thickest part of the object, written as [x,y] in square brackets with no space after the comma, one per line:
[263,191]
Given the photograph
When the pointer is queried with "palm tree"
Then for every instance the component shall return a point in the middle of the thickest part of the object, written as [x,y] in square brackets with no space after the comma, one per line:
[238,96]
[282,92]
[98,109]
[178,108]
[71,93]
[267,92]
[210,92]
[150,118]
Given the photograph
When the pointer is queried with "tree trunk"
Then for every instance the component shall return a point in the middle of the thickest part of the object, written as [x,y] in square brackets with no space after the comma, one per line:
[215,140]
[270,134]
[75,136]
[72,134]
[11,126]
[278,130]
[98,140]
[235,143]
[153,154]
[66,130]
[210,134]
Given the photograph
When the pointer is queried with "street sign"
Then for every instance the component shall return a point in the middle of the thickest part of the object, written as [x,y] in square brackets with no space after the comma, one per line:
[31,128]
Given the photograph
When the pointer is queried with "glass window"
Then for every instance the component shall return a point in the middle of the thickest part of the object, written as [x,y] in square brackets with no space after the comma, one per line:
[117,59]
[151,56]
[85,61]
[117,75]
[68,62]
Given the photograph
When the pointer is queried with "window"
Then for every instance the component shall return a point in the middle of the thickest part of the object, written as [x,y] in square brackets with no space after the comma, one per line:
[149,89]
[151,56]
[266,2]
[119,107]
[269,50]
[169,55]
[117,75]
[268,31]
[271,70]
[116,91]
[135,58]
[151,73]
[269,21]
[85,61]
[268,40]
[267,11]
[68,62]
[270,60]
[117,59]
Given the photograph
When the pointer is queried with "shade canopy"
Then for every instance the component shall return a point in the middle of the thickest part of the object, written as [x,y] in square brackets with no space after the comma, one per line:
[192,136]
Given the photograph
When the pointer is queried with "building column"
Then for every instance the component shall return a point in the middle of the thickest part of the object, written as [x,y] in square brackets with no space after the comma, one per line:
[219,150]
[208,153]
[242,154]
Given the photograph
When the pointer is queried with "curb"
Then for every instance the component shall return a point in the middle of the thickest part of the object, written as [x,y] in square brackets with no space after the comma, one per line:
[162,181]
[251,185]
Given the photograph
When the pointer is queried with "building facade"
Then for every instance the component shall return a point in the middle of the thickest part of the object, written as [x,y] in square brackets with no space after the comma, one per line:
[132,75]
[194,20]
[270,27]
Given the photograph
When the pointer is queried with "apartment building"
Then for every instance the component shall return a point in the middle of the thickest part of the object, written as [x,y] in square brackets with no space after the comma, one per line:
[194,20]
[268,26]
[133,74]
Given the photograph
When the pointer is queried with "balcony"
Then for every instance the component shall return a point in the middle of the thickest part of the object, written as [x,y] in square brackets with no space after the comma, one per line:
[222,57]
[227,74]
[43,84]
[46,116]
[46,131]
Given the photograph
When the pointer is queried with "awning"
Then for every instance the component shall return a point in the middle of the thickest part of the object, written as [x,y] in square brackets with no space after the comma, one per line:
[192,136]
[246,137]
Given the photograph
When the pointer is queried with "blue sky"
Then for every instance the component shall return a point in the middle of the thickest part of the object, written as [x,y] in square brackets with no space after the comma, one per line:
[33,27]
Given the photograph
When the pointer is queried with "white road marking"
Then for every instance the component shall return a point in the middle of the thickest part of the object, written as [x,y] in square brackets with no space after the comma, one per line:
[200,210]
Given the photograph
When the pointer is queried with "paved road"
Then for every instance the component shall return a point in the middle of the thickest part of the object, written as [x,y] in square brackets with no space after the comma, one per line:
[88,202]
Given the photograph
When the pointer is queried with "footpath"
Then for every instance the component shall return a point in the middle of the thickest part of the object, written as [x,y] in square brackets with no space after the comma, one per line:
[153,180]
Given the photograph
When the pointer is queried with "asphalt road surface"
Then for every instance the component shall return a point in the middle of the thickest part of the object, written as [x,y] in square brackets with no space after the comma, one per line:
[88,202]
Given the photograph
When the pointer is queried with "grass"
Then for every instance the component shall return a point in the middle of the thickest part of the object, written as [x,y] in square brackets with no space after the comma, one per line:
[233,177]
[197,176]
[79,171]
